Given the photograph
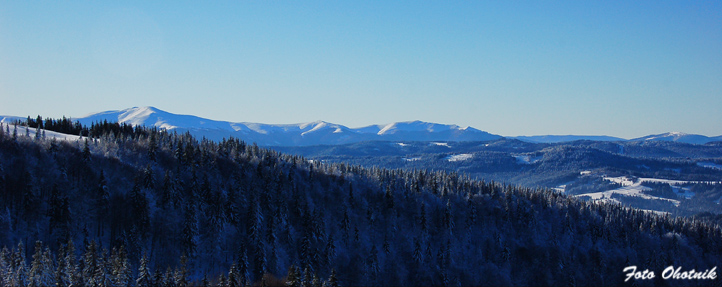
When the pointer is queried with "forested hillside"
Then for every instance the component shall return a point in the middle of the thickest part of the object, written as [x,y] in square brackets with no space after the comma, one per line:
[137,206]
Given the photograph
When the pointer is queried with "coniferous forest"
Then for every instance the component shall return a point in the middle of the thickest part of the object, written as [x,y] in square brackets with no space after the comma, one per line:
[134,206]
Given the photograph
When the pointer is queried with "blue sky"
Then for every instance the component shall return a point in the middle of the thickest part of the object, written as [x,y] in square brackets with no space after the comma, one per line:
[626,68]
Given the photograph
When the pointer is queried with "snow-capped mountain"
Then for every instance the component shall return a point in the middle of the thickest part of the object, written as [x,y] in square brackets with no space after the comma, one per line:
[325,133]
[303,134]
[680,137]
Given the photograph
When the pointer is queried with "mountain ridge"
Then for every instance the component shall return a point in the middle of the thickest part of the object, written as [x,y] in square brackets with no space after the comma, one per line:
[299,134]
[325,133]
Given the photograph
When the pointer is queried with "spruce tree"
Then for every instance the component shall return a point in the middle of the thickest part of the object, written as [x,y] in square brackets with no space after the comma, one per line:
[233,276]
[182,273]
[36,267]
[144,278]
[90,264]
[332,280]
[293,278]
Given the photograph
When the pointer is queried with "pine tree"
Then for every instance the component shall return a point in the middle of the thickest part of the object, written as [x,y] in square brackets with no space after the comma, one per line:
[86,151]
[19,277]
[123,269]
[144,278]
[293,278]
[152,147]
[332,280]
[306,280]
[90,264]
[47,275]
[389,197]
[243,268]
[222,280]
[61,273]
[190,231]
[182,273]
[104,274]
[102,202]
[168,278]
[418,257]
[233,276]
[315,282]
[75,272]
[5,269]
[38,133]
[157,278]
[35,276]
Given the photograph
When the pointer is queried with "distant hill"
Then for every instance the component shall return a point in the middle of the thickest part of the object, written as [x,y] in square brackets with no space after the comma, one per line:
[566,138]
[680,137]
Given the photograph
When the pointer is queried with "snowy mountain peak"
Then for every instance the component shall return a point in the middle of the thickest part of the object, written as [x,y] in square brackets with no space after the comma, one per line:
[416,126]
[139,116]
[311,133]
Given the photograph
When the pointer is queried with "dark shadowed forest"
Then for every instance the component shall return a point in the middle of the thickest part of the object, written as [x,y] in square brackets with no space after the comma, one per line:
[135,206]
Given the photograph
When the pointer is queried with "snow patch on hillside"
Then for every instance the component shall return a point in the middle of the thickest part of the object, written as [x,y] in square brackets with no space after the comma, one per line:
[526,159]
[709,165]
[459,157]
[440,144]
[632,187]
[636,189]
[21,130]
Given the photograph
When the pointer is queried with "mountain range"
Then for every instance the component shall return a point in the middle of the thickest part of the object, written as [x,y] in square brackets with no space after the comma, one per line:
[302,134]
[325,133]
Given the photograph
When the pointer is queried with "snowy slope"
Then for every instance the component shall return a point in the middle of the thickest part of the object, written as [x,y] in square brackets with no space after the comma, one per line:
[6,125]
[313,133]
[679,137]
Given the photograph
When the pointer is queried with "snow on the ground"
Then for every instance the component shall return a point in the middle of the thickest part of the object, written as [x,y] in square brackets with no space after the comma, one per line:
[412,159]
[663,213]
[709,165]
[629,188]
[623,180]
[585,172]
[459,157]
[609,200]
[440,144]
[48,134]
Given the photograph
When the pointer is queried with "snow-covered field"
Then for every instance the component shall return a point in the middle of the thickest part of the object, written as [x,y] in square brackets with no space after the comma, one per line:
[31,131]
[459,157]
[635,189]
[631,187]
[440,144]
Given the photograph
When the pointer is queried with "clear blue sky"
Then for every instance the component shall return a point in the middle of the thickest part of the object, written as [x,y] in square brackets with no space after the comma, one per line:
[626,68]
